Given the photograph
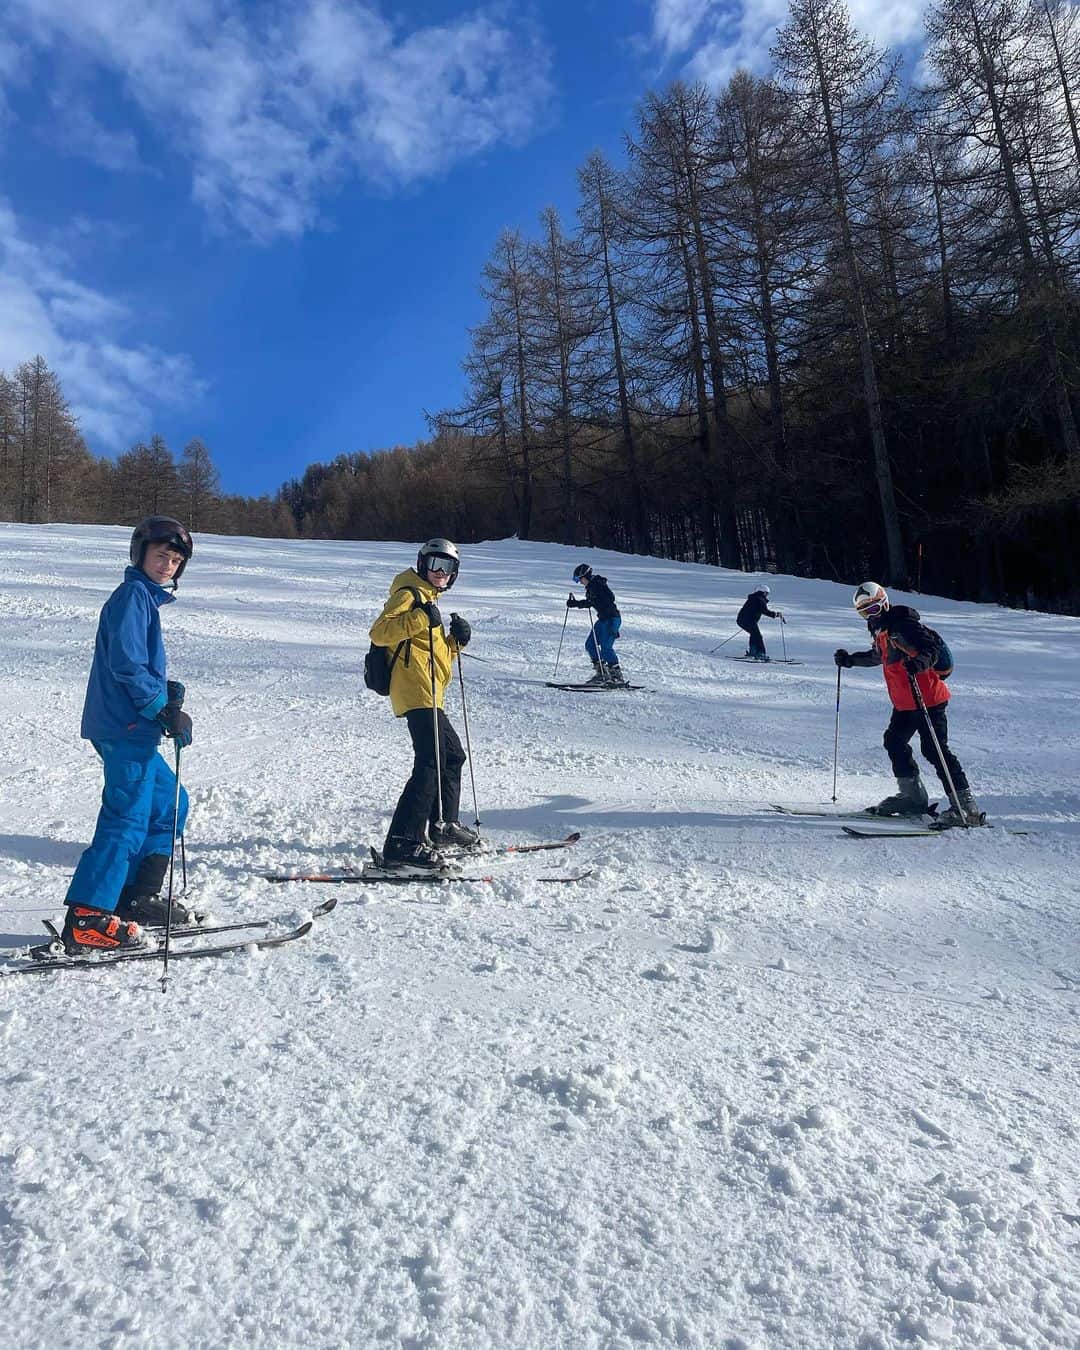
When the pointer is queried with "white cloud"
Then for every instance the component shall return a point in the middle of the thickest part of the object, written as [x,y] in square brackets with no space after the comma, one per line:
[113,387]
[274,105]
[78,132]
[675,22]
[712,38]
[12,66]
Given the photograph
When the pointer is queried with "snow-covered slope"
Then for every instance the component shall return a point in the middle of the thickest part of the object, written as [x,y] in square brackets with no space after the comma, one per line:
[753,1083]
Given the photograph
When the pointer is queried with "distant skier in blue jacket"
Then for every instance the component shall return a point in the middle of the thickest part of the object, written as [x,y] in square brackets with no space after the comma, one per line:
[604,632]
[129,705]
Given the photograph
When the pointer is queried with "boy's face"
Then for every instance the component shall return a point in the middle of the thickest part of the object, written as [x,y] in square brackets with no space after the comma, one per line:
[438,574]
[160,562]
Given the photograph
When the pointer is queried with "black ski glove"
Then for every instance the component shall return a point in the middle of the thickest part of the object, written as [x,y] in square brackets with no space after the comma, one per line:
[460,630]
[175,723]
[431,609]
[571,603]
[913,665]
[174,692]
[842,658]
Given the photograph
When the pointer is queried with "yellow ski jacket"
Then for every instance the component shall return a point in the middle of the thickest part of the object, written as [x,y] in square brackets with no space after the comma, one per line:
[401,621]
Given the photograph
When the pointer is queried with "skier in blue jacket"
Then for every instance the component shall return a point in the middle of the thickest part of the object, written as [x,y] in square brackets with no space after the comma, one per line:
[604,632]
[130,704]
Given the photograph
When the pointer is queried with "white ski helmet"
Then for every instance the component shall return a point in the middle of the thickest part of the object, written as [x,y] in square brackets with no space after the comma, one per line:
[439,549]
[871,599]
[762,590]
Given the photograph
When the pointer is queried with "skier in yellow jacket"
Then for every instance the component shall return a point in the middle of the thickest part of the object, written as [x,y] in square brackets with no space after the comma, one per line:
[411,627]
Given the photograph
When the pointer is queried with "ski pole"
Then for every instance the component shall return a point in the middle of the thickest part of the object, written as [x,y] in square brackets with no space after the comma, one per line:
[783,639]
[172,860]
[601,664]
[183,865]
[836,736]
[954,796]
[468,742]
[435,725]
[725,641]
[558,654]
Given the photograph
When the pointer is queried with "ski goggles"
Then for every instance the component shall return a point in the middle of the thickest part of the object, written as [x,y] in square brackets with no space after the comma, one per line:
[438,562]
[872,609]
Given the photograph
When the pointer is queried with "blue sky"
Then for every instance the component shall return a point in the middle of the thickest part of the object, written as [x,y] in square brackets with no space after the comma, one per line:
[265,224]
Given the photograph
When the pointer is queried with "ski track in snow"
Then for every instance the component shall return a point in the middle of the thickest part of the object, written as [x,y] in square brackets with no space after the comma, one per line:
[751,1084]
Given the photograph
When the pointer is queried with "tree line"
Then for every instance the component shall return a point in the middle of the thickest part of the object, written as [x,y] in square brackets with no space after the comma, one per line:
[47,472]
[825,322]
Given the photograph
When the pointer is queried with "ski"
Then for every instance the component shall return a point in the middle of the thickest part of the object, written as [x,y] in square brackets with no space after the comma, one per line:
[770,661]
[866,832]
[591,688]
[208,930]
[154,953]
[543,847]
[200,930]
[396,879]
[346,876]
[821,813]
[928,831]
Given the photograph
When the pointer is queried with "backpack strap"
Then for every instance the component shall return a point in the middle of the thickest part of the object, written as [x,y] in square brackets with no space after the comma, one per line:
[405,643]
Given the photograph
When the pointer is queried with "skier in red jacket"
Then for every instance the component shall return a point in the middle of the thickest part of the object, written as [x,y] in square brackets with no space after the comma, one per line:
[905,648]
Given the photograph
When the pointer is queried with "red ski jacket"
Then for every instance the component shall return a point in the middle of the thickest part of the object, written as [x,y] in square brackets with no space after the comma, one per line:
[905,638]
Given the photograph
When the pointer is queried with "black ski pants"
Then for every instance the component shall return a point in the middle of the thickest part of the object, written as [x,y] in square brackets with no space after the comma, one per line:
[756,642]
[902,727]
[418,805]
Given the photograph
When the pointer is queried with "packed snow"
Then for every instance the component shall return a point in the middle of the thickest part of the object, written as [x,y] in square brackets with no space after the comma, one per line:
[750,1083]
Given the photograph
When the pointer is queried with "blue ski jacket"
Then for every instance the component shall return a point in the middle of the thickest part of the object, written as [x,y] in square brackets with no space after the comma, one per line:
[126,689]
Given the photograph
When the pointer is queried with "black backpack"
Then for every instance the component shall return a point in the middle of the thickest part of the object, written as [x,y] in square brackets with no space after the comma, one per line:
[380,661]
[944,665]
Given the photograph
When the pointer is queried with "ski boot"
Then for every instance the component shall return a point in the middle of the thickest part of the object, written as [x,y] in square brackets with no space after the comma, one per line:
[600,674]
[87,930]
[411,857]
[615,677]
[951,819]
[911,800]
[456,836]
[141,902]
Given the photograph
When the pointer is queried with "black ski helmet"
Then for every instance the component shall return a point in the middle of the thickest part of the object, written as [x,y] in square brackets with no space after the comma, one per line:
[438,548]
[582,572]
[161,530]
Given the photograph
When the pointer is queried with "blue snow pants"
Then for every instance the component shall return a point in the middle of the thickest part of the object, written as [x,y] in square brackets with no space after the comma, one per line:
[606,631]
[136,819]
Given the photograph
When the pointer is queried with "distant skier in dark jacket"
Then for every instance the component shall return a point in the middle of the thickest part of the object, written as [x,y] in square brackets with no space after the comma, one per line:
[906,649]
[600,644]
[129,705]
[748,618]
